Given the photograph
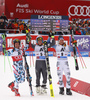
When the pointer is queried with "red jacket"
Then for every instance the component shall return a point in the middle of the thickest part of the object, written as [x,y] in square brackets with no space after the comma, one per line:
[11,26]
[77,33]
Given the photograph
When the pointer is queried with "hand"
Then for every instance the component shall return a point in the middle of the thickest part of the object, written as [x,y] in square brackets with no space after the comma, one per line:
[4,43]
[51,34]
[28,37]
[45,43]
[74,42]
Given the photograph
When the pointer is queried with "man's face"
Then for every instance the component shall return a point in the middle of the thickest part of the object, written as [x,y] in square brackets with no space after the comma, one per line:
[79,30]
[39,42]
[19,22]
[61,42]
[1,20]
[17,45]
[82,30]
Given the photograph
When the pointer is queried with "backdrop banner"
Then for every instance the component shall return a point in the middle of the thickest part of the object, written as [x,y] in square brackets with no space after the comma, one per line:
[83,42]
[11,37]
[23,9]
[1,40]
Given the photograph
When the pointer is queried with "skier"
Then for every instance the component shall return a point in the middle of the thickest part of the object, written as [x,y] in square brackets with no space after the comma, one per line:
[18,69]
[40,66]
[62,65]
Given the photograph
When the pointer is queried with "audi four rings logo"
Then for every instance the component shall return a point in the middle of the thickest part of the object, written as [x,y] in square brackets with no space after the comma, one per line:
[84,10]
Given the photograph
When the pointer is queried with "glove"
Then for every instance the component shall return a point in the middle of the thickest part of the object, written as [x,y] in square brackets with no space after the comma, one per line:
[45,43]
[74,42]
[4,47]
[28,38]
[4,44]
[51,34]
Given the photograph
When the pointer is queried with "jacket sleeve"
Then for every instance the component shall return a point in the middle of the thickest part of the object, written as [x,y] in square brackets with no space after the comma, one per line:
[51,42]
[29,46]
[9,52]
[71,49]
[32,45]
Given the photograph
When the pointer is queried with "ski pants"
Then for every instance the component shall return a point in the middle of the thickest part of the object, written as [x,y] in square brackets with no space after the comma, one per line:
[62,66]
[19,74]
[41,68]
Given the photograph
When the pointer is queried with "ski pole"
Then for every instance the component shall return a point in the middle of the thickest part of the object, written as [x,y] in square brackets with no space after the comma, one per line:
[75,53]
[32,59]
[3,37]
[81,58]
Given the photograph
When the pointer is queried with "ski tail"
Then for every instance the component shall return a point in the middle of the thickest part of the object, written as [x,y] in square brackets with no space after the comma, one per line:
[48,69]
[51,90]
[76,64]
[29,78]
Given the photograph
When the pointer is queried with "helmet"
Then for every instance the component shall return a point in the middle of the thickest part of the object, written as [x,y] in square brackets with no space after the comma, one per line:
[39,38]
[16,41]
[60,37]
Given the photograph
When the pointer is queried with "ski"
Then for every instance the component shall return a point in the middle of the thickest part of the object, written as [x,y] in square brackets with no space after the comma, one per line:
[4,47]
[29,78]
[48,68]
[5,51]
[74,50]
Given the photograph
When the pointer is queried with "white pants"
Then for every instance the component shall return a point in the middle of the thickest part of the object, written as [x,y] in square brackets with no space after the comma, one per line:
[62,65]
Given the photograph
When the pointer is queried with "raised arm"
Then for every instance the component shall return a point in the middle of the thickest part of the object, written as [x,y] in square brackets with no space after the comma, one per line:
[51,40]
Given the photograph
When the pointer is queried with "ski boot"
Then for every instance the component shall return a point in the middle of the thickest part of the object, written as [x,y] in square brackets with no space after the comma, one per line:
[68,91]
[37,89]
[61,90]
[11,86]
[16,92]
[43,89]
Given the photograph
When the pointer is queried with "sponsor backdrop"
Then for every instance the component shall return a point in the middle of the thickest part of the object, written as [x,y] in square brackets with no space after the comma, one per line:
[2,6]
[10,38]
[1,40]
[23,9]
[83,43]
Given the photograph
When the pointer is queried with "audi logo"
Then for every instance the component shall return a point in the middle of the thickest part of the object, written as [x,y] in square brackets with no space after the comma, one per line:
[84,10]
